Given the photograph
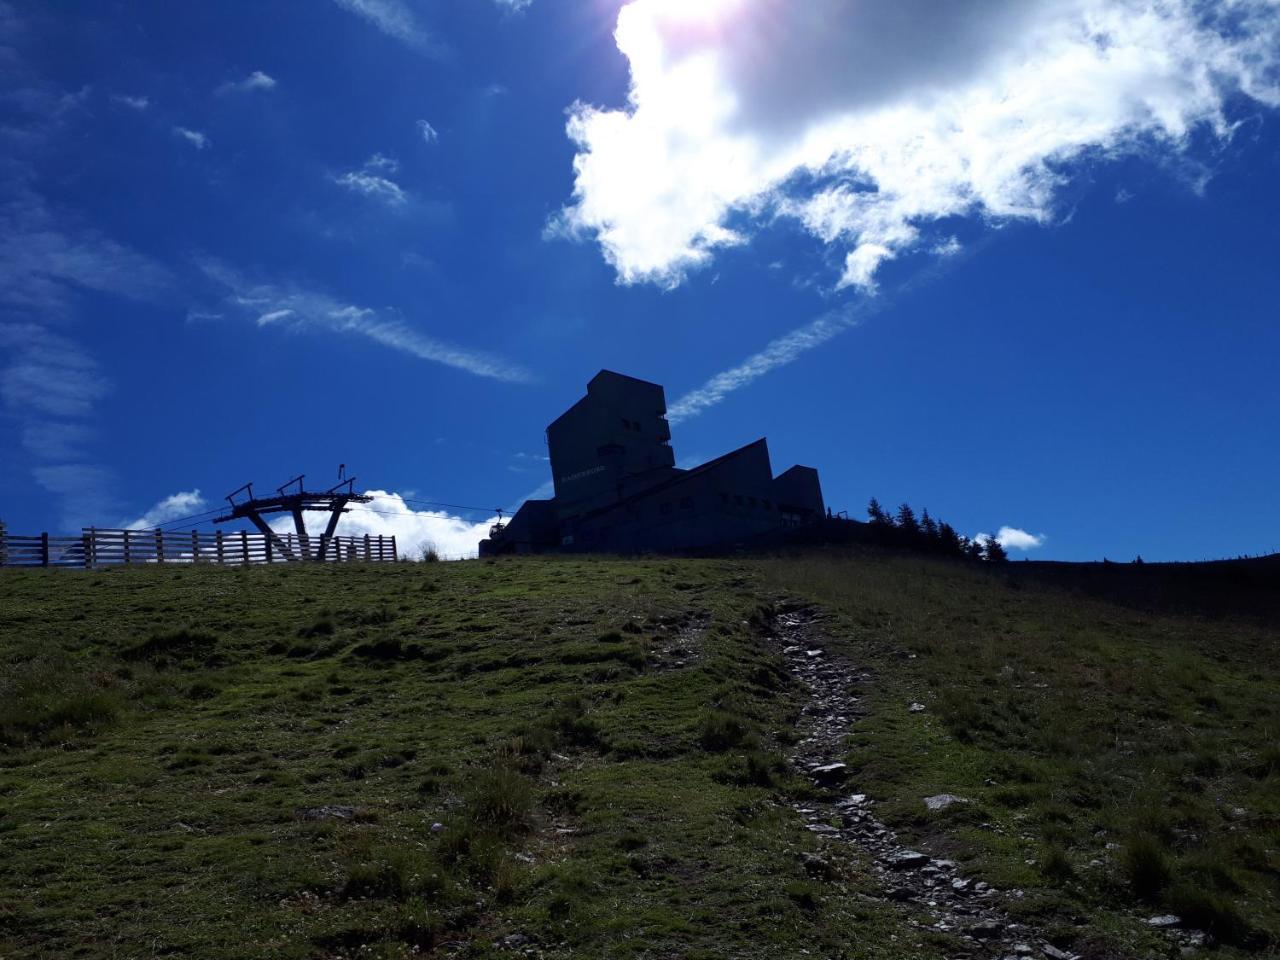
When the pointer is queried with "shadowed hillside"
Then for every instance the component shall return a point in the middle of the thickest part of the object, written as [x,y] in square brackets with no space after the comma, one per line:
[601,757]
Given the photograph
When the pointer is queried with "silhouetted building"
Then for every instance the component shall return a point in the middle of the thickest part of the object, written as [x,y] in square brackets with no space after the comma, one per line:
[617,487]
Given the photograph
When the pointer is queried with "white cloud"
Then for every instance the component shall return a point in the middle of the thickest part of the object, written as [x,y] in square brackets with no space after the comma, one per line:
[1011,538]
[453,537]
[867,123]
[370,181]
[372,185]
[254,81]
[273,305]
[173,507]
[395,19]
[133,103]
[429,133]
[193,137]
[382,162]
[515,6]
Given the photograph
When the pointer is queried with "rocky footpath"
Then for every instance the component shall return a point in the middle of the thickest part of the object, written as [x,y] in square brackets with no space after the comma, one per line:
[932,891]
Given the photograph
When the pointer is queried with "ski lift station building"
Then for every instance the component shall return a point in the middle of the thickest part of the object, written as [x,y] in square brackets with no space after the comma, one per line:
[618,490]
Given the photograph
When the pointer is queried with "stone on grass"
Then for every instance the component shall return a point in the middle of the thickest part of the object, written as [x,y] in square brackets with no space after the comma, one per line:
[986,929]
[942,801]
[917,708]
[1165,920]
[327,812]
[906,860]
[815,866]
[829,775]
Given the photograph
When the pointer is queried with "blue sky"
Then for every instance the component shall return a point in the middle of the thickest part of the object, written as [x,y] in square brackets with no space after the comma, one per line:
[1016,262]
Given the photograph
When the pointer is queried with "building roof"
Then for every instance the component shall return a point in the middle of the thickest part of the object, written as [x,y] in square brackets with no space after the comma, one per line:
[679,478]
[621,376]
[608,374]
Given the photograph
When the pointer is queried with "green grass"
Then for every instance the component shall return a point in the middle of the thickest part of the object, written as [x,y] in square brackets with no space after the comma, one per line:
[1119,763]
[164,731]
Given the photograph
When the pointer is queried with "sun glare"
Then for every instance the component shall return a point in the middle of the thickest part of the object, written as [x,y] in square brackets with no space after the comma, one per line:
[700,11]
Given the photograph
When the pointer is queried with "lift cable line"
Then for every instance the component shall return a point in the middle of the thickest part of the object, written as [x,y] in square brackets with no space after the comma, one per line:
[197,517]
[293,498]
[451,506]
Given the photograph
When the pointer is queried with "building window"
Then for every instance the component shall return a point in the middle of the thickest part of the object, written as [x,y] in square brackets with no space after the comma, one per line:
[686,503]
[665,507]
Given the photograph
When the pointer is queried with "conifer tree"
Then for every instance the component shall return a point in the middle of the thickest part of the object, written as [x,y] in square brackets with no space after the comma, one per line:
[876,512]
[929,526]
[994,550]
[950,542]
[907,521]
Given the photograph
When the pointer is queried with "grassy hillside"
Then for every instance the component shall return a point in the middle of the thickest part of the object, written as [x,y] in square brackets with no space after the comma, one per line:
[582,757]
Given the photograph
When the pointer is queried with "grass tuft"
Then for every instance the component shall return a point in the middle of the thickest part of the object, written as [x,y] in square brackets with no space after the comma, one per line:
[1146,865]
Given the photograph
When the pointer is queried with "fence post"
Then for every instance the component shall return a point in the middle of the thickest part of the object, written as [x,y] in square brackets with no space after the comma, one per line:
[244,546]
[268,539]
[366,548]
[86,546]
[127,558]
[159,545]
[4,546]
[44,549]
[195,547]
[395,555]
[219,547]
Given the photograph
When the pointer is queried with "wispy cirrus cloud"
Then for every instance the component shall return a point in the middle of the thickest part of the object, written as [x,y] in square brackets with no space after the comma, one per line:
[429,133]
[193,137]
[47,375]
[296,307]
[396,19]
[256,81]
[50,259]
[50,386]
[780,352]
[48,255]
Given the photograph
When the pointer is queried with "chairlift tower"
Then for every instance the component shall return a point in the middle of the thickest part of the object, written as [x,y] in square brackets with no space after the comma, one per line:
[294,498]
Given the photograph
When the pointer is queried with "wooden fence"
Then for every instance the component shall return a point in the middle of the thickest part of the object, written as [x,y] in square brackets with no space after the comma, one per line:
[98,548]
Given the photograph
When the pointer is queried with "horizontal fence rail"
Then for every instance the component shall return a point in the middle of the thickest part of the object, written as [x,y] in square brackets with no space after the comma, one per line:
[101,547]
